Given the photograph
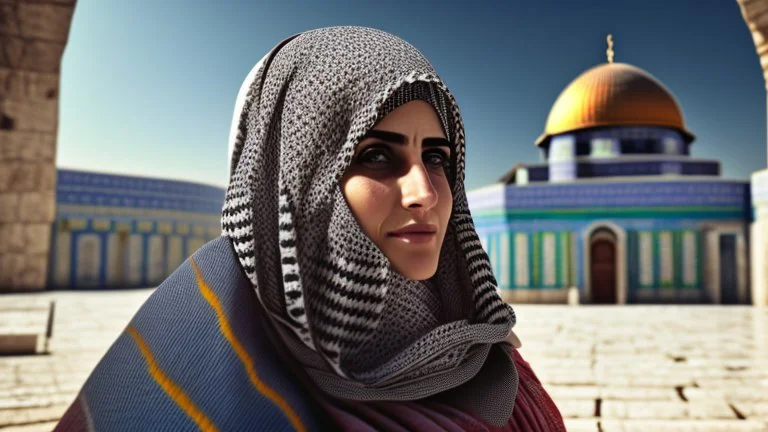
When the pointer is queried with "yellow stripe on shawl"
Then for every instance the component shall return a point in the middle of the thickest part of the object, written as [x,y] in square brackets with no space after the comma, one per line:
[229,334]
[170,387]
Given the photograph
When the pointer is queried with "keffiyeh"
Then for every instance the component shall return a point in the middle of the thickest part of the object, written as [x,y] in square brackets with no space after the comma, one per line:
[361,330]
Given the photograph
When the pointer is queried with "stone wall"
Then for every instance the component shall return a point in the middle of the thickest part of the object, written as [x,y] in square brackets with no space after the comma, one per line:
[755,13]
[33,35]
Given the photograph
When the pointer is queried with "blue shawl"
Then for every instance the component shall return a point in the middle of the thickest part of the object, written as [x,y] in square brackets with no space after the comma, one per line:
[197,355]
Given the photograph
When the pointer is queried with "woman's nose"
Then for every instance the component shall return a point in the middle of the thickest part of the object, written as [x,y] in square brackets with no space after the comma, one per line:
[417,189]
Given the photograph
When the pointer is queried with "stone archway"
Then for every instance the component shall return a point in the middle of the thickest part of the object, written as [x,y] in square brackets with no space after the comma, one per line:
[33,35]
[755,14]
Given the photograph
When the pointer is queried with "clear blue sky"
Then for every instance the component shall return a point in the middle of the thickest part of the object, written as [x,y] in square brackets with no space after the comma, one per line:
[148,87]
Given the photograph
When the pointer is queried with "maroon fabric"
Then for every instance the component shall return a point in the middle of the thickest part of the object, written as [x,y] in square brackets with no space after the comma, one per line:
[534,408]
[534,412]
[74,419]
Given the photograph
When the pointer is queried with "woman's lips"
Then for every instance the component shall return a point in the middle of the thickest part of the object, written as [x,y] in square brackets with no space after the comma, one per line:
[416,233]
[415,237]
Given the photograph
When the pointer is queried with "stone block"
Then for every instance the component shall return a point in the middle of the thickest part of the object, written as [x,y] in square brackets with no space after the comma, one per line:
[683,426]
[40,146]
[574,378]
[37,238]
[657,410]
[581,425]
[9,207]
[576,408]
[31,54]
[745,393]
[31,417]
[47,177]
[643,410]
[655,425]
[36,380]
[27,146]
[24,176]
[11,417]
[10,146]
[60,2]
[10,266]
[765,77]
[12,238]
[20,84]
[31,115]
[42,56]
[6,270]
[45,21]
[50,413]
[712,409]
[721,385]
[759,22]
[31,274]
[9,22]
[759,244]
[752,409]
[638,393]
[610,425]
[573,392]
[613,409]
[5,177]
[37,206]
[731,426]
[752,9]
[662,381]
[12,51]
[4,234]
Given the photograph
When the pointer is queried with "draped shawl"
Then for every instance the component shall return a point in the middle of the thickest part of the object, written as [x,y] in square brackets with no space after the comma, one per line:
[360,329]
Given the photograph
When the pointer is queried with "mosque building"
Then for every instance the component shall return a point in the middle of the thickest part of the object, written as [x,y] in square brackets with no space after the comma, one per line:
[620,211]
[114,231]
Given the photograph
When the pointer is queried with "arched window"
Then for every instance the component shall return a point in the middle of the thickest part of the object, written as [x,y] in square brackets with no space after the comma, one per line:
[562,148]
[604,147]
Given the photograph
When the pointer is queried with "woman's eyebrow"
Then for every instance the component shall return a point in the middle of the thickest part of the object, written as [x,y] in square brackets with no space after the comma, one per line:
[436,142]
[392,137]
[397,138]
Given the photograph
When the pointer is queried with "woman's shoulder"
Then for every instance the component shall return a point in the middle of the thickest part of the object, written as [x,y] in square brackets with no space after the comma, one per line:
[214,266]
[196,354]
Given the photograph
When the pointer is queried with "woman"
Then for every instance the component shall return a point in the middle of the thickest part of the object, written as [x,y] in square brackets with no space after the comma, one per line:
[349,290]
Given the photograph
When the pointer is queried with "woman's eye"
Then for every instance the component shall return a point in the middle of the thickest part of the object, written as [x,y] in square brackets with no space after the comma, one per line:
[382,158]
[374,156]
[437,159]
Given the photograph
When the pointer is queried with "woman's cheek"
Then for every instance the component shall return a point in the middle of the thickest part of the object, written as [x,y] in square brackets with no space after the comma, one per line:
[369,200]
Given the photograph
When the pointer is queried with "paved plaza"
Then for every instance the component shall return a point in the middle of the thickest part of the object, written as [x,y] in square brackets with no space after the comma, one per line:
[633,368]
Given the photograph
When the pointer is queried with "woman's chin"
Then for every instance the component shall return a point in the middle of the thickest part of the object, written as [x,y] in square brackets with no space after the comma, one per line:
[417,271]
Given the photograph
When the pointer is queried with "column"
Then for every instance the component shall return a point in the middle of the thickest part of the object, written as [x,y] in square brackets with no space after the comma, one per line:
[755,13]
[32,40]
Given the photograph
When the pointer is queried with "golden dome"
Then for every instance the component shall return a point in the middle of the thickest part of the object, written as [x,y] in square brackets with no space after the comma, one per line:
[614,94]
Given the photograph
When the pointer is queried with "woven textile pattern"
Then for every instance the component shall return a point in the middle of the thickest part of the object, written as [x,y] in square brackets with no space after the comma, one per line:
[318,275]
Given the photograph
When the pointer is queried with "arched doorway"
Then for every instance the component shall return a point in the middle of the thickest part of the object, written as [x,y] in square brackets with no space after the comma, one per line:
[602,268]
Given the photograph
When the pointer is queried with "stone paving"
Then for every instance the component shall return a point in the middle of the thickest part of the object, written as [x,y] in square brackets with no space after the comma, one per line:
[632,368]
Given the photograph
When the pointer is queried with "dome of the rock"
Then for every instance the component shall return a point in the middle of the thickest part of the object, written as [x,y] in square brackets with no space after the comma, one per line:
[614,94]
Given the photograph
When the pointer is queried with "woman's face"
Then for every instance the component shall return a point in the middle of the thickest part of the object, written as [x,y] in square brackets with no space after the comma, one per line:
[397,188]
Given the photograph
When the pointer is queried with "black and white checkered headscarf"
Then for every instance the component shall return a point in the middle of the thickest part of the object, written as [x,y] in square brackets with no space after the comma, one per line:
[360,329]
